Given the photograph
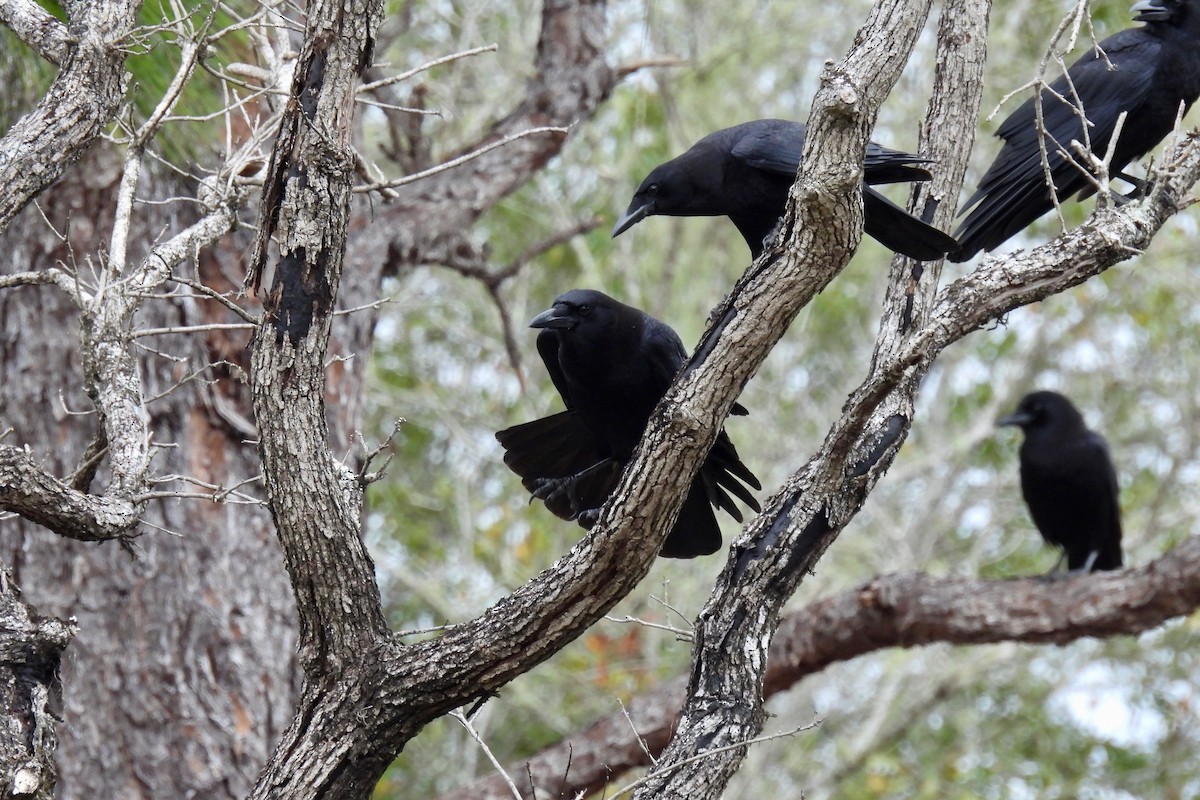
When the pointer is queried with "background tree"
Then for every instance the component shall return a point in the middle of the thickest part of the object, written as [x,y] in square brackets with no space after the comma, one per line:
[210,638]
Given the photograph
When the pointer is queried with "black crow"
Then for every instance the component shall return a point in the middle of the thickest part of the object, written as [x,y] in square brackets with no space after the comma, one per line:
[745,172]
[612,363]
[1068,481]
[1154,69]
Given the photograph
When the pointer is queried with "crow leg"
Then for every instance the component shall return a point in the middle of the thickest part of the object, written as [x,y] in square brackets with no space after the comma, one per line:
[1091,561]
[552,489]
[1057,572]
[1141,188]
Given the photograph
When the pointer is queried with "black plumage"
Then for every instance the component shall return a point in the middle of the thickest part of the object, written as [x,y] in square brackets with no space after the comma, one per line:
[612,363]
[745,172]
[1154,68]
[1068,481]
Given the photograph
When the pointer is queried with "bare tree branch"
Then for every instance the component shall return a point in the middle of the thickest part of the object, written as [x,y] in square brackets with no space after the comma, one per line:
[821,229]
[51,276]
[782,545]
[904,610]
[571,78]
[83,99]
[37,28]
[465,158]
[39,497]
[111,375]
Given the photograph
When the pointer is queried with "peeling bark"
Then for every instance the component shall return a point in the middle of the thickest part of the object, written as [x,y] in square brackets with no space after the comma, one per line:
[31,650]
[365,694]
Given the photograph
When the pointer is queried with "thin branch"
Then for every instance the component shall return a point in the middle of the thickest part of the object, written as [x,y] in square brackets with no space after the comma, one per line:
[180,329]
[219,297]
[900,611]
[463,159]
[437,62]
[52,277]
[641,741]
[466,723]
[192,376]
[625,70]
[189,53]
[510,334]
[682,633]
[716,750]
[374,305]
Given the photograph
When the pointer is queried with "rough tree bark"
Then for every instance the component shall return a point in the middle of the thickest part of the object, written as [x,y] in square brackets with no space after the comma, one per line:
[82,101]
[353,721]
[906,610]
[184,674]
[204,619]
[781,546]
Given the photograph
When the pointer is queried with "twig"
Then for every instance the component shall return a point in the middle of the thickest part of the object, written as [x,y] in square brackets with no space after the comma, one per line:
[629,620]
[160,353]
[420,631]
[215,326]
[219,493]
[191,377]
[366,478]
[373,305]
[149,524]
[220,298]
[427,112]
[756,740]
[510,334]
[625,70]
[550,242]
[641,741]
[462,718]
[1097,168]
[664,602]
[239,500]
[437,62]
[463,159]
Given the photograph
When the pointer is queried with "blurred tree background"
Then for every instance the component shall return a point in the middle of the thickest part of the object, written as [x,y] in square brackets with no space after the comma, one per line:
[452,529]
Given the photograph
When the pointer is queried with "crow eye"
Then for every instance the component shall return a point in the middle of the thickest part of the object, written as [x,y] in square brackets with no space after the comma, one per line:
[652,189]
[584,310]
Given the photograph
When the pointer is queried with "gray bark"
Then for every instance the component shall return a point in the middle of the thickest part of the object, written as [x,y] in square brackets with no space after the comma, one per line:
[37,28]
[781,546]
[82,101]
[205,620]
[906,610]
[182,672]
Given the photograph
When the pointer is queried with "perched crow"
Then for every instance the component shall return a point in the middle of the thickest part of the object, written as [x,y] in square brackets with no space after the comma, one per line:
[612,363]
[1068,481]
[745,172]
[1154,69]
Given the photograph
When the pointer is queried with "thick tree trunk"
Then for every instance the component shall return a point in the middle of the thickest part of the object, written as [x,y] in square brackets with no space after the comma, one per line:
[183,671]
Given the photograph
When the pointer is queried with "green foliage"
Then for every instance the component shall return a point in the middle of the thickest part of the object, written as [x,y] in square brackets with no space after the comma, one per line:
[453,531]
[154,59]
[25,77]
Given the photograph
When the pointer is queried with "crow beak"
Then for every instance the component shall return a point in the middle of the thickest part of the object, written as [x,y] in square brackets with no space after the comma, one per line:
[1150,11]
[555,318]
[1019,418]
[632,216]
